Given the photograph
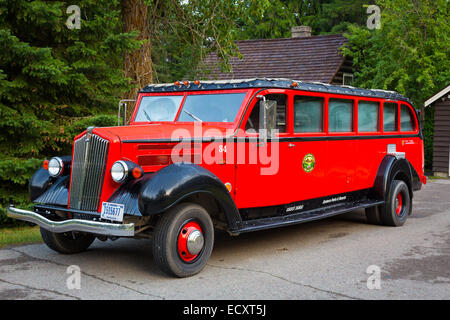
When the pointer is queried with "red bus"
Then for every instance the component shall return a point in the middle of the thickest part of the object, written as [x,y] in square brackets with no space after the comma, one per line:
[241,155]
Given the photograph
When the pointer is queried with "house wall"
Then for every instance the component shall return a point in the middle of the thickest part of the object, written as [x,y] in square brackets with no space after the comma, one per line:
[346,67]
[441,140]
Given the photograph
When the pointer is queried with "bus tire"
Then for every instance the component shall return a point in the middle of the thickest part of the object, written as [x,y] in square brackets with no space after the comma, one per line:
[373,215]
[67,242]
[183,240]
[398,205]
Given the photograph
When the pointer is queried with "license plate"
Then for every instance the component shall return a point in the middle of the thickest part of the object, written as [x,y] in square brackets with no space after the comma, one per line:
[112,211]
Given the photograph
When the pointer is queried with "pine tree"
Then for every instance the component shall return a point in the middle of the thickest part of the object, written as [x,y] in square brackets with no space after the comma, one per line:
[54,82]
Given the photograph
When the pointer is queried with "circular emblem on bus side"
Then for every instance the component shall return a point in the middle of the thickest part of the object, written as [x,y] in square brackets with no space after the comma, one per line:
[309,162]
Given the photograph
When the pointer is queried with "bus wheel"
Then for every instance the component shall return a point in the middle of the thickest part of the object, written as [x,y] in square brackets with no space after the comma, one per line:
[67,242]
[183,240]
[373,215]
[398,205]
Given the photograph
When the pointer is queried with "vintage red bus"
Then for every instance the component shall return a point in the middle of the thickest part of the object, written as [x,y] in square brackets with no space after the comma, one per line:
[239,155]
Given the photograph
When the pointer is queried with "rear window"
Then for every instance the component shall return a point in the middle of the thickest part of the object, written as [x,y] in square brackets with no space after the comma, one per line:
[211,107]
[407,122]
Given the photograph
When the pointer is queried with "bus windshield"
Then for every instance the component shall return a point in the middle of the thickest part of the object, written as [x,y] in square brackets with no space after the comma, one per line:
[211,107]
[158,108]
[196,107]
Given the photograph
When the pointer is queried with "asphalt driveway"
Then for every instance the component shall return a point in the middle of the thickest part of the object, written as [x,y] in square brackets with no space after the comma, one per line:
[338,258]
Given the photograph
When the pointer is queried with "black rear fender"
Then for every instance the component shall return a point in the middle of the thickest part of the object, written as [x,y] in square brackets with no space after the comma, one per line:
[393,168]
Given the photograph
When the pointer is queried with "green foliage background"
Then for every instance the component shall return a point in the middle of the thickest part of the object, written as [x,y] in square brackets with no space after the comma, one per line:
[410,54]
[55,82]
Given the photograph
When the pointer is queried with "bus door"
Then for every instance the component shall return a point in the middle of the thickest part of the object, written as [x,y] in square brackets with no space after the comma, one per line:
[342,146]
[263,171]
[308,149]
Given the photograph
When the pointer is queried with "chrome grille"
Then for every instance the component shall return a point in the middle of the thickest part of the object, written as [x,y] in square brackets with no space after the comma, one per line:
[88,170]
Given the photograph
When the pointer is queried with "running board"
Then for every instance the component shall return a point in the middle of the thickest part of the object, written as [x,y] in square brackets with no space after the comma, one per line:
[301,217]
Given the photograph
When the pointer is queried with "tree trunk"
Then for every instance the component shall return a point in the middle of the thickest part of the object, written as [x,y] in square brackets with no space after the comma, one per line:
[138,64]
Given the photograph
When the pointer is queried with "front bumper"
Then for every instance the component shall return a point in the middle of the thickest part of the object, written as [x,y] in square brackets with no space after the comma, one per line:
[95,227]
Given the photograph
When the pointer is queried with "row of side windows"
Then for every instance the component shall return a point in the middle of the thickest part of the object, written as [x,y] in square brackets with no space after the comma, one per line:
[309,115]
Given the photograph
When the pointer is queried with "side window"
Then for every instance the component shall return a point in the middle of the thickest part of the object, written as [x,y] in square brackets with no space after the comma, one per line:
[340,113]
[407,122]
[390,117]
[281,100]
[368,116]
[308,114]
[253,119]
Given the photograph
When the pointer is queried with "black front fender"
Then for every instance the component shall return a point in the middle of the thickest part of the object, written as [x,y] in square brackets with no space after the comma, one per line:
[157,192]
[178,181]
[43,188]
[39,183]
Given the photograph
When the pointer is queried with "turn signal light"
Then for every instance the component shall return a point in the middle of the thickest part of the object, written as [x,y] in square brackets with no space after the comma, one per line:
[137,172]
[122,170]
[45,164]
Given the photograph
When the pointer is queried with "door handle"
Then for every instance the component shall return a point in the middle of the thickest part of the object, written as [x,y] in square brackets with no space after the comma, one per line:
[291,145]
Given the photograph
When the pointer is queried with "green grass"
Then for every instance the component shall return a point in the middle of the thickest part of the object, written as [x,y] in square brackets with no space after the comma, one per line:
[19,235]
[435,177]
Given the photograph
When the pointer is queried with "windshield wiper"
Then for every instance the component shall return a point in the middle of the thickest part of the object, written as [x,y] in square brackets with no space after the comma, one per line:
[147,116]
[192,116]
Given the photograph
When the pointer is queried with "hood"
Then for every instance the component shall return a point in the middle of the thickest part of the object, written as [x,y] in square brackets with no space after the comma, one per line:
[165,131]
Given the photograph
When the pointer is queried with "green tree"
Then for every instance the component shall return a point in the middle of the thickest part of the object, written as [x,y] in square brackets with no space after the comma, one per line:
[54,81]
[184,32]
[334,16]
[275,19]
[409,54]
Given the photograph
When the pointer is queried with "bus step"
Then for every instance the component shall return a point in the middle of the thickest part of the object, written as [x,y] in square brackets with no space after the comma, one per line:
[301,217]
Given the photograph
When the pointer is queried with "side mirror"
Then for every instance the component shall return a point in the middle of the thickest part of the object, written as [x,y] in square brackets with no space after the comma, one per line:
[123,103]
[267,119]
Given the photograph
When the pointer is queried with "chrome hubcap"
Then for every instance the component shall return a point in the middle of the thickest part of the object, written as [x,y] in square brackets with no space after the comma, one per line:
[195,242]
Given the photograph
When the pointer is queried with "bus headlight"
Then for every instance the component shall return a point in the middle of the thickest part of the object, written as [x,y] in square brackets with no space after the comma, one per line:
[119,171]
[55,166]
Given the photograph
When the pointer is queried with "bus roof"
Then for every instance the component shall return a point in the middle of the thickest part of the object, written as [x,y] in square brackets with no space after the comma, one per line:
[274,83]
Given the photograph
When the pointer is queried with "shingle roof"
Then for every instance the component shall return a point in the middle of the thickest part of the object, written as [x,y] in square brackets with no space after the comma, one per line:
[438,95]
[314,58]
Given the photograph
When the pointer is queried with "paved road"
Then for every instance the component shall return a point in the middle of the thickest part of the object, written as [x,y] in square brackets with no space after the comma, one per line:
[326,259]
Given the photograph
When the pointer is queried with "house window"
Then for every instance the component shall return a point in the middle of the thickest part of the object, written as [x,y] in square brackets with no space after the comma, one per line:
[347,79]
